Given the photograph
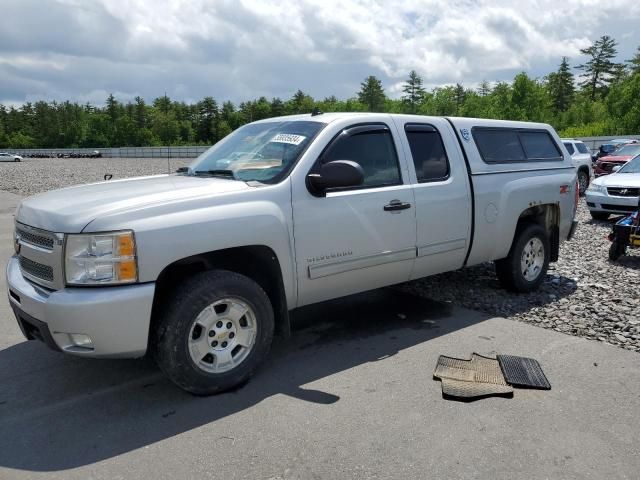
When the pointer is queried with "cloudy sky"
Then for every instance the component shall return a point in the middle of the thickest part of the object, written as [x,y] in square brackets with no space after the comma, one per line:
[241,49]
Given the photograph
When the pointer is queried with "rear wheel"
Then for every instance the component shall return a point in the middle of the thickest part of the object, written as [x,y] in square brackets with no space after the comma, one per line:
[525,267]
[599,215]
[215,333]
[583,181]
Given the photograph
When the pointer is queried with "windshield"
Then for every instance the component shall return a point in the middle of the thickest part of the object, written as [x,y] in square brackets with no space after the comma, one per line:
[628,150]
[632,166]
[263,152]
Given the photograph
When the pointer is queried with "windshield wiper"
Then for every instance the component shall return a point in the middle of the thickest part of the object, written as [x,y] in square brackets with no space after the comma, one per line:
[217,173]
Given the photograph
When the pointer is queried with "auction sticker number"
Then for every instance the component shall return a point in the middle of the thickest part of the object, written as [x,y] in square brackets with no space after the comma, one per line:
[288,138]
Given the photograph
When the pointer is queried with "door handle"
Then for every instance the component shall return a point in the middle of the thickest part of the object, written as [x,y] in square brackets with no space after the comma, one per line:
[395,205]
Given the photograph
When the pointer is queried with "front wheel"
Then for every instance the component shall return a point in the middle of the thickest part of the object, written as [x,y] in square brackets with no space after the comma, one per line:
[215,332]
[526,265]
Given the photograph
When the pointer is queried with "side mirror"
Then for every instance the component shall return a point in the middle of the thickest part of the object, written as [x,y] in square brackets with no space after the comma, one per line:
[615,168]
[336,174]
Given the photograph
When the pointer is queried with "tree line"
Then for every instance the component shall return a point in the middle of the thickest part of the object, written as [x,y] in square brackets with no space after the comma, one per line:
[600,98]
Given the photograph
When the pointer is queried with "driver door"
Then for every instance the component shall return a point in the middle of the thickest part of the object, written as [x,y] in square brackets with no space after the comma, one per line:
[356,239]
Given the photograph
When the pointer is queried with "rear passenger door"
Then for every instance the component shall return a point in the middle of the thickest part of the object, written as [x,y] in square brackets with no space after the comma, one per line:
[442,195]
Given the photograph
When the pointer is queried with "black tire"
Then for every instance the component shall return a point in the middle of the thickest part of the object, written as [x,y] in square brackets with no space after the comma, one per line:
[172,331]
[583,181]
[509,271]
[16,159]
[616,250]
[599,215]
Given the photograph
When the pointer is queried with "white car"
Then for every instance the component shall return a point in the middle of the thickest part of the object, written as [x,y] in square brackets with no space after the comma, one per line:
[581,158]
[9,157]
[615,193]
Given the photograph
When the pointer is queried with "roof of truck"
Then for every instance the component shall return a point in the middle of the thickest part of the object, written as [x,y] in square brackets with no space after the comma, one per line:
[332,116]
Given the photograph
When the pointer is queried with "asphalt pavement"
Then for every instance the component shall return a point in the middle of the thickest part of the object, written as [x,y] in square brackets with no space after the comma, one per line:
[350,395]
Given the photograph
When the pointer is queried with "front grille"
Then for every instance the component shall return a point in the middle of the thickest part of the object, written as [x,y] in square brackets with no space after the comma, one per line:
[623,192]
[35,239]
[35,269]
[620,208]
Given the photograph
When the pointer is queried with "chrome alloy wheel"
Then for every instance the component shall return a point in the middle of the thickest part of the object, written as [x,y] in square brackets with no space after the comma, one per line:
[532,259]
[223,335]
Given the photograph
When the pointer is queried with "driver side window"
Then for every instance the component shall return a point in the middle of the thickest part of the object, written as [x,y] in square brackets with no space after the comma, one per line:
[374,151]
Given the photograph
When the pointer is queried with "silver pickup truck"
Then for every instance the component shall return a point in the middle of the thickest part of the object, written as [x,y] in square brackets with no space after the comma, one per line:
[201,268]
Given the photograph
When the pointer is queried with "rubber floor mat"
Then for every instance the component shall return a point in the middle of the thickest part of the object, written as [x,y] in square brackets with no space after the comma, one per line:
[523,372]
[478,377]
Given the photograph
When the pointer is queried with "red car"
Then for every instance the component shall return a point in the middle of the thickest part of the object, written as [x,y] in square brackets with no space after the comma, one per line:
[604,165]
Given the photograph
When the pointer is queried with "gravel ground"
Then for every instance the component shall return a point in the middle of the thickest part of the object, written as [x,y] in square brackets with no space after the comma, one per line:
[583,294]
[35,175]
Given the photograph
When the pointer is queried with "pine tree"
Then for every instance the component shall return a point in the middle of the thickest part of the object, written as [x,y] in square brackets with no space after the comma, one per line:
[208,113]
[459,96]
[371,94]
[413,92]
[634,63]
[484,89]
[561,86]
[600,68]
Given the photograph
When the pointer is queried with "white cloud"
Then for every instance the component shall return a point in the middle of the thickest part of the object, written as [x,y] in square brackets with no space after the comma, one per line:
[246,48]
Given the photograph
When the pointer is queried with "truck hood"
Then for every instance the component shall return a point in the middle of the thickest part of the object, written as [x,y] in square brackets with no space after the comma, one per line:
[69,210]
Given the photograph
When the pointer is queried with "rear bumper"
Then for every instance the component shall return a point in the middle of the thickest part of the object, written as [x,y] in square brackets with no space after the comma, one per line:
[116,319]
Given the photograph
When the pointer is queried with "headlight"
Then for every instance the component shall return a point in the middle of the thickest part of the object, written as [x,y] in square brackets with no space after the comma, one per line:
[100,258]
[593,188]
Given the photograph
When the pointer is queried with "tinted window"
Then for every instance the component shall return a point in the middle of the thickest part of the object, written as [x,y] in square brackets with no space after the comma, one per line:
[569,147]
[582,148]
[374,151]
[539,145]
[498,145]
[429,156]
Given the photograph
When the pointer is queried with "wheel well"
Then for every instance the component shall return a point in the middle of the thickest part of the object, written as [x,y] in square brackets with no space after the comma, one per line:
[547,216]
[257,262]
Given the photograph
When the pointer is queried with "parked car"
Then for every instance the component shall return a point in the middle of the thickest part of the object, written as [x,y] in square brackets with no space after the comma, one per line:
[202,267]
[581,158]
[611,146]
[9,157]
[604,165]
[615,193]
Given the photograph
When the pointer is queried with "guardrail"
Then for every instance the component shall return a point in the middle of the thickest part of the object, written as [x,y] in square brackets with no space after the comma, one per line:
[193,151]
[594,142]
[122,152]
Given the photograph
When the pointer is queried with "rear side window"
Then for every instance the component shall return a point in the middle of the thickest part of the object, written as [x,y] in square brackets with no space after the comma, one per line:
[429,155]
[569,147]
[374,151]
[582,148]
[539,145]
[507,145]
[499,145]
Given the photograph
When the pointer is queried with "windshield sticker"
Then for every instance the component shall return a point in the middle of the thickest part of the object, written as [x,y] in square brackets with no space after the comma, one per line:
[288,138]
